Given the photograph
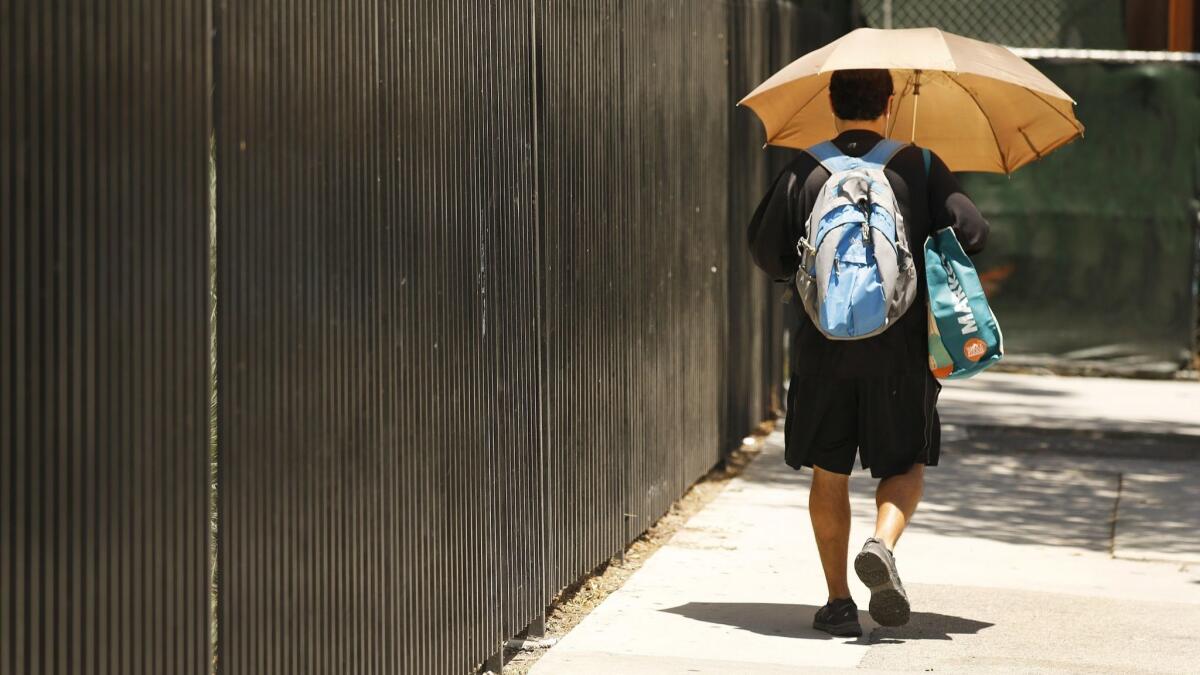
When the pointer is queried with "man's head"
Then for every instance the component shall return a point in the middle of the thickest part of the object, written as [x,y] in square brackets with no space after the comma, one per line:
[860,94]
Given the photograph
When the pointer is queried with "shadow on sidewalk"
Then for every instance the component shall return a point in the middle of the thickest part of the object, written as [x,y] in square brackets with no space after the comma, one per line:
[795,621]
[1002,489]
[1011,498]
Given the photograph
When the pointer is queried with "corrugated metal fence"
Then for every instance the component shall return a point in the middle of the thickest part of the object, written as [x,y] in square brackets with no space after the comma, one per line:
[484,312]
[104,127]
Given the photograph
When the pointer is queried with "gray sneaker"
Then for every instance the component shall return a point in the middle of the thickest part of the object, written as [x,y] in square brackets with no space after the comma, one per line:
[876,566]
[838,617]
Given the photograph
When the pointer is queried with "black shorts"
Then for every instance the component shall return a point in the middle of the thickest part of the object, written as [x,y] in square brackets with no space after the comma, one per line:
[891,421]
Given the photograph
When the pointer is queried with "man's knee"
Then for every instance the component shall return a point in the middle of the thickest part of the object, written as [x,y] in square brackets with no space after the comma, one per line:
[827,477]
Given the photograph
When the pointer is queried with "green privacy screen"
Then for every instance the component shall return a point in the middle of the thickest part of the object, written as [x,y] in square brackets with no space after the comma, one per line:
[1092,250]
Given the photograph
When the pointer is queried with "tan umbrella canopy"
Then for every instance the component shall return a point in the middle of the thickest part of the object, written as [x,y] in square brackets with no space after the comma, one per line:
[979,106]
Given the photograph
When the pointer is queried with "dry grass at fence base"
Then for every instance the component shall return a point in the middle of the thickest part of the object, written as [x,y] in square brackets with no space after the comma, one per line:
[575,601]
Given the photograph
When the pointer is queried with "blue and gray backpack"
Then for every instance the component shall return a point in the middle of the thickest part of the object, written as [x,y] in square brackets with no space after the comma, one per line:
[857,275]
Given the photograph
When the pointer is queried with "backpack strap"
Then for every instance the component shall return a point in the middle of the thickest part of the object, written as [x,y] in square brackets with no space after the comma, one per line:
[834,160]
[925,155]
[831,157]
[882,153]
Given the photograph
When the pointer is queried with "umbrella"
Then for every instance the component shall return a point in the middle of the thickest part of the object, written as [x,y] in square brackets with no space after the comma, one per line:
[979,106]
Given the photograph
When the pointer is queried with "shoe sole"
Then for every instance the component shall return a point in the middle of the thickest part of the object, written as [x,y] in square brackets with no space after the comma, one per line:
[889,604]
[840,629]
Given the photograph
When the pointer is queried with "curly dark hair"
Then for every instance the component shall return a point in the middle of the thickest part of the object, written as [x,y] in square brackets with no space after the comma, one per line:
[860,94]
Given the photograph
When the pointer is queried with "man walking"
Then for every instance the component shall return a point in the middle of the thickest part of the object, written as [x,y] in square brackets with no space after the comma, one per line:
[874,396]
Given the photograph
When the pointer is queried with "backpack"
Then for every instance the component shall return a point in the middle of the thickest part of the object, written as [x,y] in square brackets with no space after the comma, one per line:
[857,275]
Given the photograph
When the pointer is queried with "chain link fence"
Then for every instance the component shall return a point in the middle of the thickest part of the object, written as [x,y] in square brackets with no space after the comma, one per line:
[1070,24]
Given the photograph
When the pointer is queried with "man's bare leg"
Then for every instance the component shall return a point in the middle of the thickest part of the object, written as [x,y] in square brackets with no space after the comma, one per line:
[829,509]
[896,497]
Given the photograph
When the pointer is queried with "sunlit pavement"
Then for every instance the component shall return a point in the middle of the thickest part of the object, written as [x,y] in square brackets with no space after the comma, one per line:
[1110,405]
[1020,559]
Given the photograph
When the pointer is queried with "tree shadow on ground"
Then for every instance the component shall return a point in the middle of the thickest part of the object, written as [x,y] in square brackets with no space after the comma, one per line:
[1007,487]
[1031,411]
[1032,487]
[795,621]
[1006,387]
[1009,498]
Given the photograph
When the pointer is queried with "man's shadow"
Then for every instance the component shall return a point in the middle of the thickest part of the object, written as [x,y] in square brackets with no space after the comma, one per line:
[795,621]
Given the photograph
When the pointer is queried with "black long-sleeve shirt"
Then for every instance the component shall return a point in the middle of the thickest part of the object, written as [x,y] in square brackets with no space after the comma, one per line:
[927,202]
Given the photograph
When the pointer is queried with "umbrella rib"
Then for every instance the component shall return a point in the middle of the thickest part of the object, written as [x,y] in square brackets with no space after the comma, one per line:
[991,127]
[1073,123]
[798,111]
[1036,153]
[1059,143]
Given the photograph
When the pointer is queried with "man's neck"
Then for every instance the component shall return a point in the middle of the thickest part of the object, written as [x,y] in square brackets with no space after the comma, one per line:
[876,125]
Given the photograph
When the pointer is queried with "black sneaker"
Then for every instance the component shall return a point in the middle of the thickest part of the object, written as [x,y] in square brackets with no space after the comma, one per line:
[838,617]
[876,566]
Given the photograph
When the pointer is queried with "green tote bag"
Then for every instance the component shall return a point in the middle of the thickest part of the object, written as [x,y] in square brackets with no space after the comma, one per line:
[964,337]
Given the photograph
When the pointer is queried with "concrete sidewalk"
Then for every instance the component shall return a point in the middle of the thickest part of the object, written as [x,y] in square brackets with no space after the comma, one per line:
[1016,562]
[1154,407]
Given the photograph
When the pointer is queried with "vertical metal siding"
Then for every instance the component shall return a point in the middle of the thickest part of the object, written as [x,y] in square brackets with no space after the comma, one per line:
[748,294]
[652,117]
[484,312]
[375,192]
[584,240]
[705,209]
[634,213]
[674,433]
[511,286]
[104,122]
[476,260]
